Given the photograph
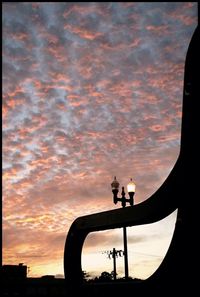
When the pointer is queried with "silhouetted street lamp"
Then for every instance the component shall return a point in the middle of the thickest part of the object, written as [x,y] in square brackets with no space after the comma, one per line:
[131,191]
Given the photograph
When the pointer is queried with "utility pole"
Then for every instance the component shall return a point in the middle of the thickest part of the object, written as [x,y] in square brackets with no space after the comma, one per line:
[114,263]
[114,254]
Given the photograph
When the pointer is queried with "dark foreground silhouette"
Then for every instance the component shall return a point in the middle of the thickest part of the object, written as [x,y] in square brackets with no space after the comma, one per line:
[177,271]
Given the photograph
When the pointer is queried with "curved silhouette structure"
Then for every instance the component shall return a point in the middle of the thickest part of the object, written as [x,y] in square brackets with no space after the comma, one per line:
[175,193]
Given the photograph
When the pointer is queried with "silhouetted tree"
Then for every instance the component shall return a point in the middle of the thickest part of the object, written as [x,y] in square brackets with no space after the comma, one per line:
[106,276]
[85,276]
[112,275]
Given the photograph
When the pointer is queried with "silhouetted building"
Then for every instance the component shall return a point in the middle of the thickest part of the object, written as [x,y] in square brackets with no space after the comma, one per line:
[16,283]
[14,271]
[48,277]
[34,287]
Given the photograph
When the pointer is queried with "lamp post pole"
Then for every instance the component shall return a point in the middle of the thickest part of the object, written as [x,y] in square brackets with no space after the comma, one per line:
[125,253]
[123,200]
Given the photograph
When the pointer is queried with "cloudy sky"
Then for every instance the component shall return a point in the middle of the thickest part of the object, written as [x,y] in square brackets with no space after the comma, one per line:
[90,90]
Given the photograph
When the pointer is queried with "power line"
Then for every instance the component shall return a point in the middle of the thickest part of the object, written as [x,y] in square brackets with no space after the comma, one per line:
[145,254]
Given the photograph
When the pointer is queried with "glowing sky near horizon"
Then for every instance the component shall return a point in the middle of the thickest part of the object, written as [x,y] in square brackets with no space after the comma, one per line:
[90,90]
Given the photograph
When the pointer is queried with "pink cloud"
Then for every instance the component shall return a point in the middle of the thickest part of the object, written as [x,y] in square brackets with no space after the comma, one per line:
[83,10]
[186,20]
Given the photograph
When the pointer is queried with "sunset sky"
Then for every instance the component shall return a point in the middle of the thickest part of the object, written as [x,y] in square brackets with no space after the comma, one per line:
[90,90]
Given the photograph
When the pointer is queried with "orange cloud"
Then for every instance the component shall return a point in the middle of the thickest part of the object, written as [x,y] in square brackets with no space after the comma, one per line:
[20,36]
[83,33]
[5,110]
[157,128]
[158,29]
